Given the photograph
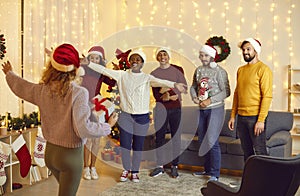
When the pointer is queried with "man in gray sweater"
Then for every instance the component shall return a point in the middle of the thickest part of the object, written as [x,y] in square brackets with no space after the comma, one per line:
[209,89]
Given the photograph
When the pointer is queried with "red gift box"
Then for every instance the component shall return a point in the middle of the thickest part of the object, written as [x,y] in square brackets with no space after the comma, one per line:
[103,108]
[118,158]
[106,155]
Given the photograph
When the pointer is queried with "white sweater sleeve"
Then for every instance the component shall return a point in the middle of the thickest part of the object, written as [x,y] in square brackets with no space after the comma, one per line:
[156,82]
[115,74]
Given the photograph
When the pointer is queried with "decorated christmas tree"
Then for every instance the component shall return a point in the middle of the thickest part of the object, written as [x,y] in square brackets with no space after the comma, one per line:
[124,65]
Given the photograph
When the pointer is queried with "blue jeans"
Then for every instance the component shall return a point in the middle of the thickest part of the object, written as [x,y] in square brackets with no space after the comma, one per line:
[210,125]
[133,129]
[251,144]
[164,120]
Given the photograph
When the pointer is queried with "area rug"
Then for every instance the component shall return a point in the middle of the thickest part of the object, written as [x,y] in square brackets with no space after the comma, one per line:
[164,185]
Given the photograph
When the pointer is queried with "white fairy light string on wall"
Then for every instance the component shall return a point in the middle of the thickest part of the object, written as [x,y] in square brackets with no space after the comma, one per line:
[196,18]
[209,18]
[238,27]
[180,16]
[289,30]
[226,6]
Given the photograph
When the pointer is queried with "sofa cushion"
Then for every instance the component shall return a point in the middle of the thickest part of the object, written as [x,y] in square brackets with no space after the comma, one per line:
[235,147]
[189,119]
[225,130]
[278,121]
[279,138]
[224,140]
[194,145]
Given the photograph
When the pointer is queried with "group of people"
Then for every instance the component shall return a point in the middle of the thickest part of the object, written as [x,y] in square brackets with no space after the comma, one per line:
[67,105]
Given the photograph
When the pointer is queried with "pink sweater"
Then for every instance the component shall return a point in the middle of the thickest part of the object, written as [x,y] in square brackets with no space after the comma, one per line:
[65,121]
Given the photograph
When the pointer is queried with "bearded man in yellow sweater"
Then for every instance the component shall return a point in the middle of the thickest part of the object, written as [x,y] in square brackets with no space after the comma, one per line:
[252,99]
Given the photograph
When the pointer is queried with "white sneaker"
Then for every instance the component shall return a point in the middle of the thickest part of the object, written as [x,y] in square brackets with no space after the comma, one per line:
[135,177]
[94,173]
[124,176]
[86,173]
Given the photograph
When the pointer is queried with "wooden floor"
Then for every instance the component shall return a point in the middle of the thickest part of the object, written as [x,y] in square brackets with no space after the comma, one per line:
[108,177]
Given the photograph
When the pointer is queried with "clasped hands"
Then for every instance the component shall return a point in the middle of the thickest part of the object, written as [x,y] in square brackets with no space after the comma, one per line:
[203,103]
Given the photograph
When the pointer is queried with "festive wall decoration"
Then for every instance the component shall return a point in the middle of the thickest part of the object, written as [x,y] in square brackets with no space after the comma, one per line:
[222,47]
[2,46]
[17,123]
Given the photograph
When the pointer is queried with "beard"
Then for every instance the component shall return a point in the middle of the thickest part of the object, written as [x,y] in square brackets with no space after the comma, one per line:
[248,58]
[205,63]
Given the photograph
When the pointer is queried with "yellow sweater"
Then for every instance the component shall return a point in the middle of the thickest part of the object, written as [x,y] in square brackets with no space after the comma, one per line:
[253,92]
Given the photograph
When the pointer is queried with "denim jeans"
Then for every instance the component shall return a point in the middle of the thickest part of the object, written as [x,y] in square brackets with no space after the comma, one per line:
[251,144]
[133,129]
[210,125]
[165,119]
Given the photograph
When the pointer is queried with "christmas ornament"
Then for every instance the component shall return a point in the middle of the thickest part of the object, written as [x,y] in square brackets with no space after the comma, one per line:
[4,154]
[222,47]
[20,149]
[2,46]
[123,60]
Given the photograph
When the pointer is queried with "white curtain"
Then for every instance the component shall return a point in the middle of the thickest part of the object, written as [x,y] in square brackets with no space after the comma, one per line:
[50,23]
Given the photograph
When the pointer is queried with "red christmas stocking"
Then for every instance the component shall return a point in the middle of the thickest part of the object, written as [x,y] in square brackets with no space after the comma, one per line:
[4,153]
[23,155]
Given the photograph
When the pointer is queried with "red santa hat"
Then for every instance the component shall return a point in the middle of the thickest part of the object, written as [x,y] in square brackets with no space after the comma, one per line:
[97,50]
[165,49]
[255,43]
[65,58]
[211,51]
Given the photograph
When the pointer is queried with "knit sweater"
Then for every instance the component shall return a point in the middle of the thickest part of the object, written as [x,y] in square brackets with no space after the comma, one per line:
[218,85]
[253,92]
[92,81]
[64,121]
[173,73]
[134,88]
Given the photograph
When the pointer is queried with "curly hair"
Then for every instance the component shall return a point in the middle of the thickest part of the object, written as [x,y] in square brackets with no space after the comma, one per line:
[61,80]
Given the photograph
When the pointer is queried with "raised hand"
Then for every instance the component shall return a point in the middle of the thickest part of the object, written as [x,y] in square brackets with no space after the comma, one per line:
[6,67]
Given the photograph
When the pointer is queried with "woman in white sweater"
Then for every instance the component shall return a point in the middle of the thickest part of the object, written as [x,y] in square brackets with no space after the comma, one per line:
[134,88]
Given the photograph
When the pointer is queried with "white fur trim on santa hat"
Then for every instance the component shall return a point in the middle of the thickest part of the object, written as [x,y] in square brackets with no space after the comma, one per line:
[208,50]
[95,52]
[255,44]
[18,143]
[140,53]
[80,71]
[60,67]
[167,50]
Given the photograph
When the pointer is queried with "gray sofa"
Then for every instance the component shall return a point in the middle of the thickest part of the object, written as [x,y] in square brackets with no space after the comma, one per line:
[279,140]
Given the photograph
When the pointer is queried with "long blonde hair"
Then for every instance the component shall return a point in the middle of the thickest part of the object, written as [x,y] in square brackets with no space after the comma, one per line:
[57,79]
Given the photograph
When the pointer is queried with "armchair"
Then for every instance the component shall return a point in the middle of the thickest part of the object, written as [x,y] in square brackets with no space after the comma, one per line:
[262,175]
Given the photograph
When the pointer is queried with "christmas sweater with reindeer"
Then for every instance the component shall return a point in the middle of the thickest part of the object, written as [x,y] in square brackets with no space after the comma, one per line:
[210,83]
